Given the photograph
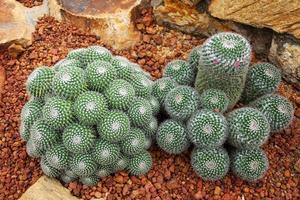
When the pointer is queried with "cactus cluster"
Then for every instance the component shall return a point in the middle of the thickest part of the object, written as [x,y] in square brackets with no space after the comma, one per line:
[90,115]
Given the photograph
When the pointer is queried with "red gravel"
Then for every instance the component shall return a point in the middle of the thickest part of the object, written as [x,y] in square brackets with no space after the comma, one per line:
[31,3]
[171,176]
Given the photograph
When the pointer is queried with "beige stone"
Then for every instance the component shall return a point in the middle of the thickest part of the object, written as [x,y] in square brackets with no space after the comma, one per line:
[285,53]
[2,79]
[191,2]
[47,189]
[111,20]
[282,16]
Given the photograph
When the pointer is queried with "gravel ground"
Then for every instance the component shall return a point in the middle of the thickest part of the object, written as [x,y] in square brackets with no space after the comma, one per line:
[171,176]
[31,3]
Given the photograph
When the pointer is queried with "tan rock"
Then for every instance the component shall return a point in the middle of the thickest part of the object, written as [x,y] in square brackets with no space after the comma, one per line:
[2,79]
[283,16]
[285,53]
[191,2]
[111,20]
[18,22]
[47,189]
[297,166]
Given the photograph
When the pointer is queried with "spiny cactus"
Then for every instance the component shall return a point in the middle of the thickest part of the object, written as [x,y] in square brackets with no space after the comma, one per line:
[140,164]
[39,82]
[78,54]
[114,127]
[162,87]
[262,78]
[120,94]
[90,107]
[248,128]
[58,113]
[210,164]
[180,71]
[96,53]
[83,164]
[78,138]
[66,179]
[150,128]
[154,105]
[48,169]
[89,180]
[140,112]
[223,64]
[182,102]
[65,63]
[103,171]
[121,163]
[214,99]
[249,164]
[277,109]
[57,156]
[141,84]
[172,137]
[34,151]
[134,143]
[106,153]
[194,56]
[123,67]
[207,129]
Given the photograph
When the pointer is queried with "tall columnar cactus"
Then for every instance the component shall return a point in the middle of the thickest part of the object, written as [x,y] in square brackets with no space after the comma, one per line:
[248,128]
[277,109]
[215,100]
[182,102]
[210,164]
[262,78]
[249,164]
[207,129]
[223,64]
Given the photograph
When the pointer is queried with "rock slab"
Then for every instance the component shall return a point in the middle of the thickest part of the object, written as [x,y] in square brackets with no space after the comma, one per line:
[283,16]
[47,189]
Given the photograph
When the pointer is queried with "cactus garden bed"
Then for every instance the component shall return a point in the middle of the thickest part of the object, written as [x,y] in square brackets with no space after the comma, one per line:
[171,176]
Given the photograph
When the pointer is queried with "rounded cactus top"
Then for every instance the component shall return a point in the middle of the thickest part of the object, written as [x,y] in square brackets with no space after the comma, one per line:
[226,51]
[214,99]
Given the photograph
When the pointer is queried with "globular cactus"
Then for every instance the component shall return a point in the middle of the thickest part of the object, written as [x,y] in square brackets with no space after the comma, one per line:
[57,156]
[215,100]
[140,112]
[210,164]
[66,179]
[33,150]
[134,143]
[249,164]
[39,82]
[103,171]
[93,53]
[150,128]
[78,54]
[172,137]
[123,67]
[140,164]
[154,105]
[207,129]
[65,63]
[180,71]
[182,102]
[277,109]
[248,128]
[194,57]
[48,169]
[141,84]
[106,153]
[121,164]
[89,180]
[223,64]
[262,78]
[83,164]
[162,87]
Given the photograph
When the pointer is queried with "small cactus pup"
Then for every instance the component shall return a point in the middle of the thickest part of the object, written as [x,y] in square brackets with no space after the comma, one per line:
[194,56]
[123,67]
[249,164]
[68,83]
[120,94]
[140,164]
[140,112]
[65,63]
[96,53]
[172,137]
[223,64]
[100,74]
[48,169]
[277,109]
[180,71]
[134,143]
[248,128]
[151,128]
[90,107]
[210,164]
[89,180]
[215,100]
[154,104]
[181,102]
[78,139]
[39,82]
[114,127]
[83,164]
[78,54]
[106,153]
[103,171]
[121,163]
[207,129]
[33,150]
[58,156]
[141,84]
[162,87]
[262,78]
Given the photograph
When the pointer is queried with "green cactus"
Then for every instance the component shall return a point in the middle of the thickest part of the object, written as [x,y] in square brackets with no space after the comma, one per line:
[58,113]
[141,84]
[114,127]
[148,143]
[57,156]
[172,137]
[150,128]
[66,179]
[78,138]
[277,109]
[194,57]
[90,107]
[68,83]
[39,82]
[223,64]
[214,99]
[24,131]
[182,102]
[140,112]
[207,129]
[120,94]
[210,164]
[138,69]
[106,153]
[83,164]
[100,74]
[248,128]
[65,63]
[134,143]
[89,180]
[121,163]
[249,164]
[123,67]
[78,54]
[162,87]
[262,78]
[154,104]
[181,71]
[96,53]
[48,169]
[140,164]
[32,150]
[103,171]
